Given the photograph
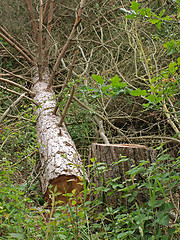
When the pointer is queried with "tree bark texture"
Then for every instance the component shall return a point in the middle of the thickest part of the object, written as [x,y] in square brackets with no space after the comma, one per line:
[61,163]
[111,154]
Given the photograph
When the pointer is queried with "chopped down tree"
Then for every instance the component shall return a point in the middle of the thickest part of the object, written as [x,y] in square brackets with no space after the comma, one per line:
[61,163]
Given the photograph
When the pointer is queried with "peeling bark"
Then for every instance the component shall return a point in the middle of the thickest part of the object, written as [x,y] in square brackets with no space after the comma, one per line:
[59,158]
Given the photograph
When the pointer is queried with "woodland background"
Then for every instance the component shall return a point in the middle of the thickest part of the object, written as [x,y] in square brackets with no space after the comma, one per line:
[126,74]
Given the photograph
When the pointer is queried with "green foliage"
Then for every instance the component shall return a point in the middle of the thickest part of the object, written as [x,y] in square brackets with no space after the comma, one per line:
[21,219]
[172,47]
[147,13]
[160,89]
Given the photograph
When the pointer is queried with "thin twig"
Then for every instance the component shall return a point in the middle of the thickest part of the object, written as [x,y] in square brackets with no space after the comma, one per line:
[57,86]
[17,43]
[67,106]
[12,55]
[102,117]
[11,107]
[46,8]
[17,93]
[20,117]
[167,113]
[32,18]
[17,48]
[65,47]
[150,137]
[17,85]
[40,66]
[14,75]
[65,82]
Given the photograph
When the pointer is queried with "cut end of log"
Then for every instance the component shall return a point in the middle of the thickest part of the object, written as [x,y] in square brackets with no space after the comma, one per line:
[62,185]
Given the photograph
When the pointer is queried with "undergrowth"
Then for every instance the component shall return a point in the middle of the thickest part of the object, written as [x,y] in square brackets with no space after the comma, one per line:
[22,217]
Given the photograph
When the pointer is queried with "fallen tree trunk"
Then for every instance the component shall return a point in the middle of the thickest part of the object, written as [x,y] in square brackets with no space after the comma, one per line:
[61,163]
[111,156]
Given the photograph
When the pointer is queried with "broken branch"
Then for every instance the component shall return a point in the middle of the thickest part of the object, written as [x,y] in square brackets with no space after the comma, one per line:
[17,85]
[40,66]
[17,93]
[16,42]
[32,18]
[65,47]
[11,107]
[46,8]
[66,81]
[67,106]
[17,48]
[49,27]
[101,130]
[103,118]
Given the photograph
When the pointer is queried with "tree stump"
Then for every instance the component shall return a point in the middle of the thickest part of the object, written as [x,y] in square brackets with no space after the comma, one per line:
[110,155]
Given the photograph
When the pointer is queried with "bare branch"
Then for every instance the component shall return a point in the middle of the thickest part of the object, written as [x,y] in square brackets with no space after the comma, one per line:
[49,28]
[66,81]
[11,107]
[23,118]
[67,106]
[167,113]
[17,93]
[40,66]
[14,75]
[17,48]
[170,139]
[33,21]
[17,85]
[101,130]
[12,55]
[65,47]
[46,8]
[17,43]
[102,117]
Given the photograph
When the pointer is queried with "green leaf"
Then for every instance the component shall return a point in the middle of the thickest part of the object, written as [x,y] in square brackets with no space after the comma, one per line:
[131,16]
[135,6]
[151,98]
[142,12]
[172,67]
[148,12]
[131,199]
[61,236]
[159,99]
[154,21]
[98,79]
[159,25]
[16,235]
[74,202]
[176,135]
[93,160]
[178,61]
[163,220]
[156,203]
[116,82]
[123,235]
[138,92]
[105,88]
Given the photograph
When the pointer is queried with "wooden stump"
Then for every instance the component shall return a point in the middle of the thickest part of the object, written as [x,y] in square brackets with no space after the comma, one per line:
[111,154]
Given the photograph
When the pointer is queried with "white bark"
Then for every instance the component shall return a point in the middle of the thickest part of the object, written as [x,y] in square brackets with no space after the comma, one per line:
[57,150]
